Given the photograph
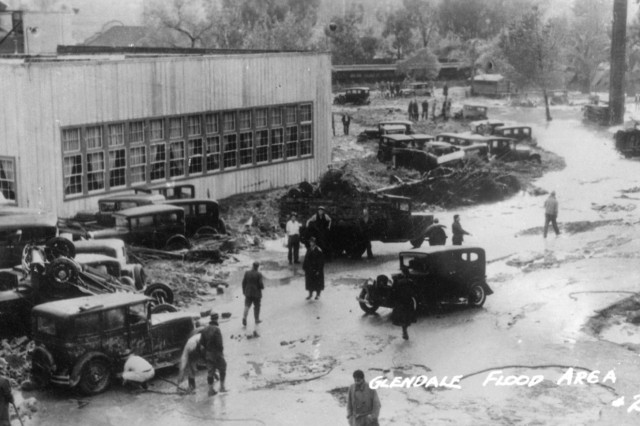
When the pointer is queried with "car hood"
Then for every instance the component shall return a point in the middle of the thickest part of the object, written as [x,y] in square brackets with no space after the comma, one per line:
[107,233]
[166,317]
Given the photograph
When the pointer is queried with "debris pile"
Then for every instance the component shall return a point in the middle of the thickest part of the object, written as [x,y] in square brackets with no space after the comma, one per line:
[612,207]
[15,359]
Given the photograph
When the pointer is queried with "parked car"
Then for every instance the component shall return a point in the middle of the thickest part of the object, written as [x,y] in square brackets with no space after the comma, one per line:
[353,95]
[389,142]
[474,145]
[485,127]
[628,142]
[416,89]
[83,342]
[110,205]
[115,249]
[478,112]
[520,133]
[170,191]
[429,156]
[158,226]
[201,216]
[381,129]
[505,149]
[20,227]
[435,275]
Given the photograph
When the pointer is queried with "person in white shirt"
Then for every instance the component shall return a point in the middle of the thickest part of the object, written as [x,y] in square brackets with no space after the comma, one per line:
[293,238]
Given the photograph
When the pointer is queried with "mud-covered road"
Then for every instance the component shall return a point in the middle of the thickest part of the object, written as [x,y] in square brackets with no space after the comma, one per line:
[297,370]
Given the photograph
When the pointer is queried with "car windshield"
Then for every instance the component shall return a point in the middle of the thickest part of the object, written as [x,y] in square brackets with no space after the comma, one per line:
[416,263]
[121,223]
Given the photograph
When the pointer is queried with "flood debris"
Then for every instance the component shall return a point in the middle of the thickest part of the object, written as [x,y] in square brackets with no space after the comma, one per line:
[15,359]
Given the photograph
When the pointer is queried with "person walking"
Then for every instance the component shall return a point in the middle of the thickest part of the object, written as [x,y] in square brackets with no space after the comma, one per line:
[363,404]
[346,121]
[425,110]
[191,355]
[433,108]
[457,231]
[551,213]
[436,233]
[6,398]
[365,225]
[293,238]
[320,224]
[405,310]
[212,347]
[252,286]
[313,266]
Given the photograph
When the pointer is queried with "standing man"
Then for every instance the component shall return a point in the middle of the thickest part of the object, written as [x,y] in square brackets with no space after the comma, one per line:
[364,226]
[293,238]
[313,266]
[320,224]
[425,110]
[410,110]
[252,286]
[346,121]
[363,404]
[211,346]
[458,232]
[551,213]
[6,398]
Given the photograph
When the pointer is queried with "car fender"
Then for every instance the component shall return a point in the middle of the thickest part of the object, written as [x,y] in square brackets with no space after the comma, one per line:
[74,377]
[485,286]
[45,365]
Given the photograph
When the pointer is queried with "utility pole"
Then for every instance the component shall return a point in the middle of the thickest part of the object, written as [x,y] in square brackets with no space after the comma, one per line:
[618,62]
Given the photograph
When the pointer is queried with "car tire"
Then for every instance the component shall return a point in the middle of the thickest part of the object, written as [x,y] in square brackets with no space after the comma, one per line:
[417,242]
[477,296]
[160,293]
[205,231]
[163,308]
[95,376]
[368,309]
[63,271]
[128,281]
[139,277]
[61,247]
[177,242]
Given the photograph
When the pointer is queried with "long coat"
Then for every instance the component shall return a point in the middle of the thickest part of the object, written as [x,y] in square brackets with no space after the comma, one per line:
[313,266]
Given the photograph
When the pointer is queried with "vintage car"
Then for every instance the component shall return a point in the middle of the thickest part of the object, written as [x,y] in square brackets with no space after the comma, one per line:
[485,127]
[628,142]
[389,142]
[435,275]
[108,206]
[83,342]
[416,89]
[353,95]
[477,112]
[473,144]
[383,129]
[170,191]
[20,227]
[201,216]
[158,226]
[115,249]
[506,149]
[429,156]
[520,133]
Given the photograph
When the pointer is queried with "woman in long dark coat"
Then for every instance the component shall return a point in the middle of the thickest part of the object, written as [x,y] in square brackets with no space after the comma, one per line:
[313,266]
[405,310]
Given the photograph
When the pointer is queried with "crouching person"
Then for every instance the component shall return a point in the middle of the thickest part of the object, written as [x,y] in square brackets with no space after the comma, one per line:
[137,370]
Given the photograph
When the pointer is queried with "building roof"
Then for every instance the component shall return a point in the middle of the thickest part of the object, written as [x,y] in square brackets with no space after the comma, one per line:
[125,36]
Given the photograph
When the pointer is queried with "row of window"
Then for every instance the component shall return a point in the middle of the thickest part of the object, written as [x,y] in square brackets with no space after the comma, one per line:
[120,155]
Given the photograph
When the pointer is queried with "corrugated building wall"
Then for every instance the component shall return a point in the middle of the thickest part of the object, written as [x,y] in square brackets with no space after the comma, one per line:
[41,100]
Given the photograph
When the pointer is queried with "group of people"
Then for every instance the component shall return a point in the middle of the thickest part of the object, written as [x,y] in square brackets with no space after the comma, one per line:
[414,109]
[438,237]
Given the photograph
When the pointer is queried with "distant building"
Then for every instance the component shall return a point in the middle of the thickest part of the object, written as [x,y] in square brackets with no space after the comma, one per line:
[490,85]
[33,33]
[120,36]
[86,124]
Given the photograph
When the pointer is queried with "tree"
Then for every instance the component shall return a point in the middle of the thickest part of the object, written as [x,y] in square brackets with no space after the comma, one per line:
[349,43]
[532,47]
[423,65]
[290,33]
[399,24]
[423,16]
[618,50]
[179,23]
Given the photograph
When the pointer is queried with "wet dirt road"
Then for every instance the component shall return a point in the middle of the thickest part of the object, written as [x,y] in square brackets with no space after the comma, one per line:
[297,371]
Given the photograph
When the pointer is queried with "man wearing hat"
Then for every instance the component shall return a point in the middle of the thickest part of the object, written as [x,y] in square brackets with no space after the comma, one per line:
[212,348]
[320,224]
[252,286]
[313,266]
[293,238]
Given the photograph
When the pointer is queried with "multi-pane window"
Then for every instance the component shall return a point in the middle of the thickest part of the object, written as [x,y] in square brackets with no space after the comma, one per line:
[158,160]
[306,147]
[262,146]
[245,120]
[104,156]
[175,127]
[156,130]
[276,144]
[213,153]
[8,178]
[138,160]
[246,148]
[195,156]
[230,154]
[229,121]
[176,159]
[211,123]
[261,117]
[291,137]
[193,125]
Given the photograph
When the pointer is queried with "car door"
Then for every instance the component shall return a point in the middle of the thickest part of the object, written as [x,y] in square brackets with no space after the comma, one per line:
[139,331]
[115,334]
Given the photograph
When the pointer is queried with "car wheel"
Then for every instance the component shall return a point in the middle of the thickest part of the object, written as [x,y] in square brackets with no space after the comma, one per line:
[477,296]
[95,376]
[160,293]
[367,307]
[139,277]
[417,242]
[162,308]
[61,247]
[62,271]
[205,231]
[177,242]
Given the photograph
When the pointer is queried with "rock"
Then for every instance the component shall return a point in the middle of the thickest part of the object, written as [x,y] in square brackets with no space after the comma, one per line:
[284,343]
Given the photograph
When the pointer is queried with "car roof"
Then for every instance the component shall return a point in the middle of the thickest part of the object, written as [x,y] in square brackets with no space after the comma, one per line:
[393,127]
[440,249]
[149,209]
[491,121]
[513,126]
[133,197]
[165,185]
[78,305]
[94,257]
[414,137]
[181,201]
[24,218]
[465,135]
[399,122]
[115,243]
[500,138]
[357,88]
